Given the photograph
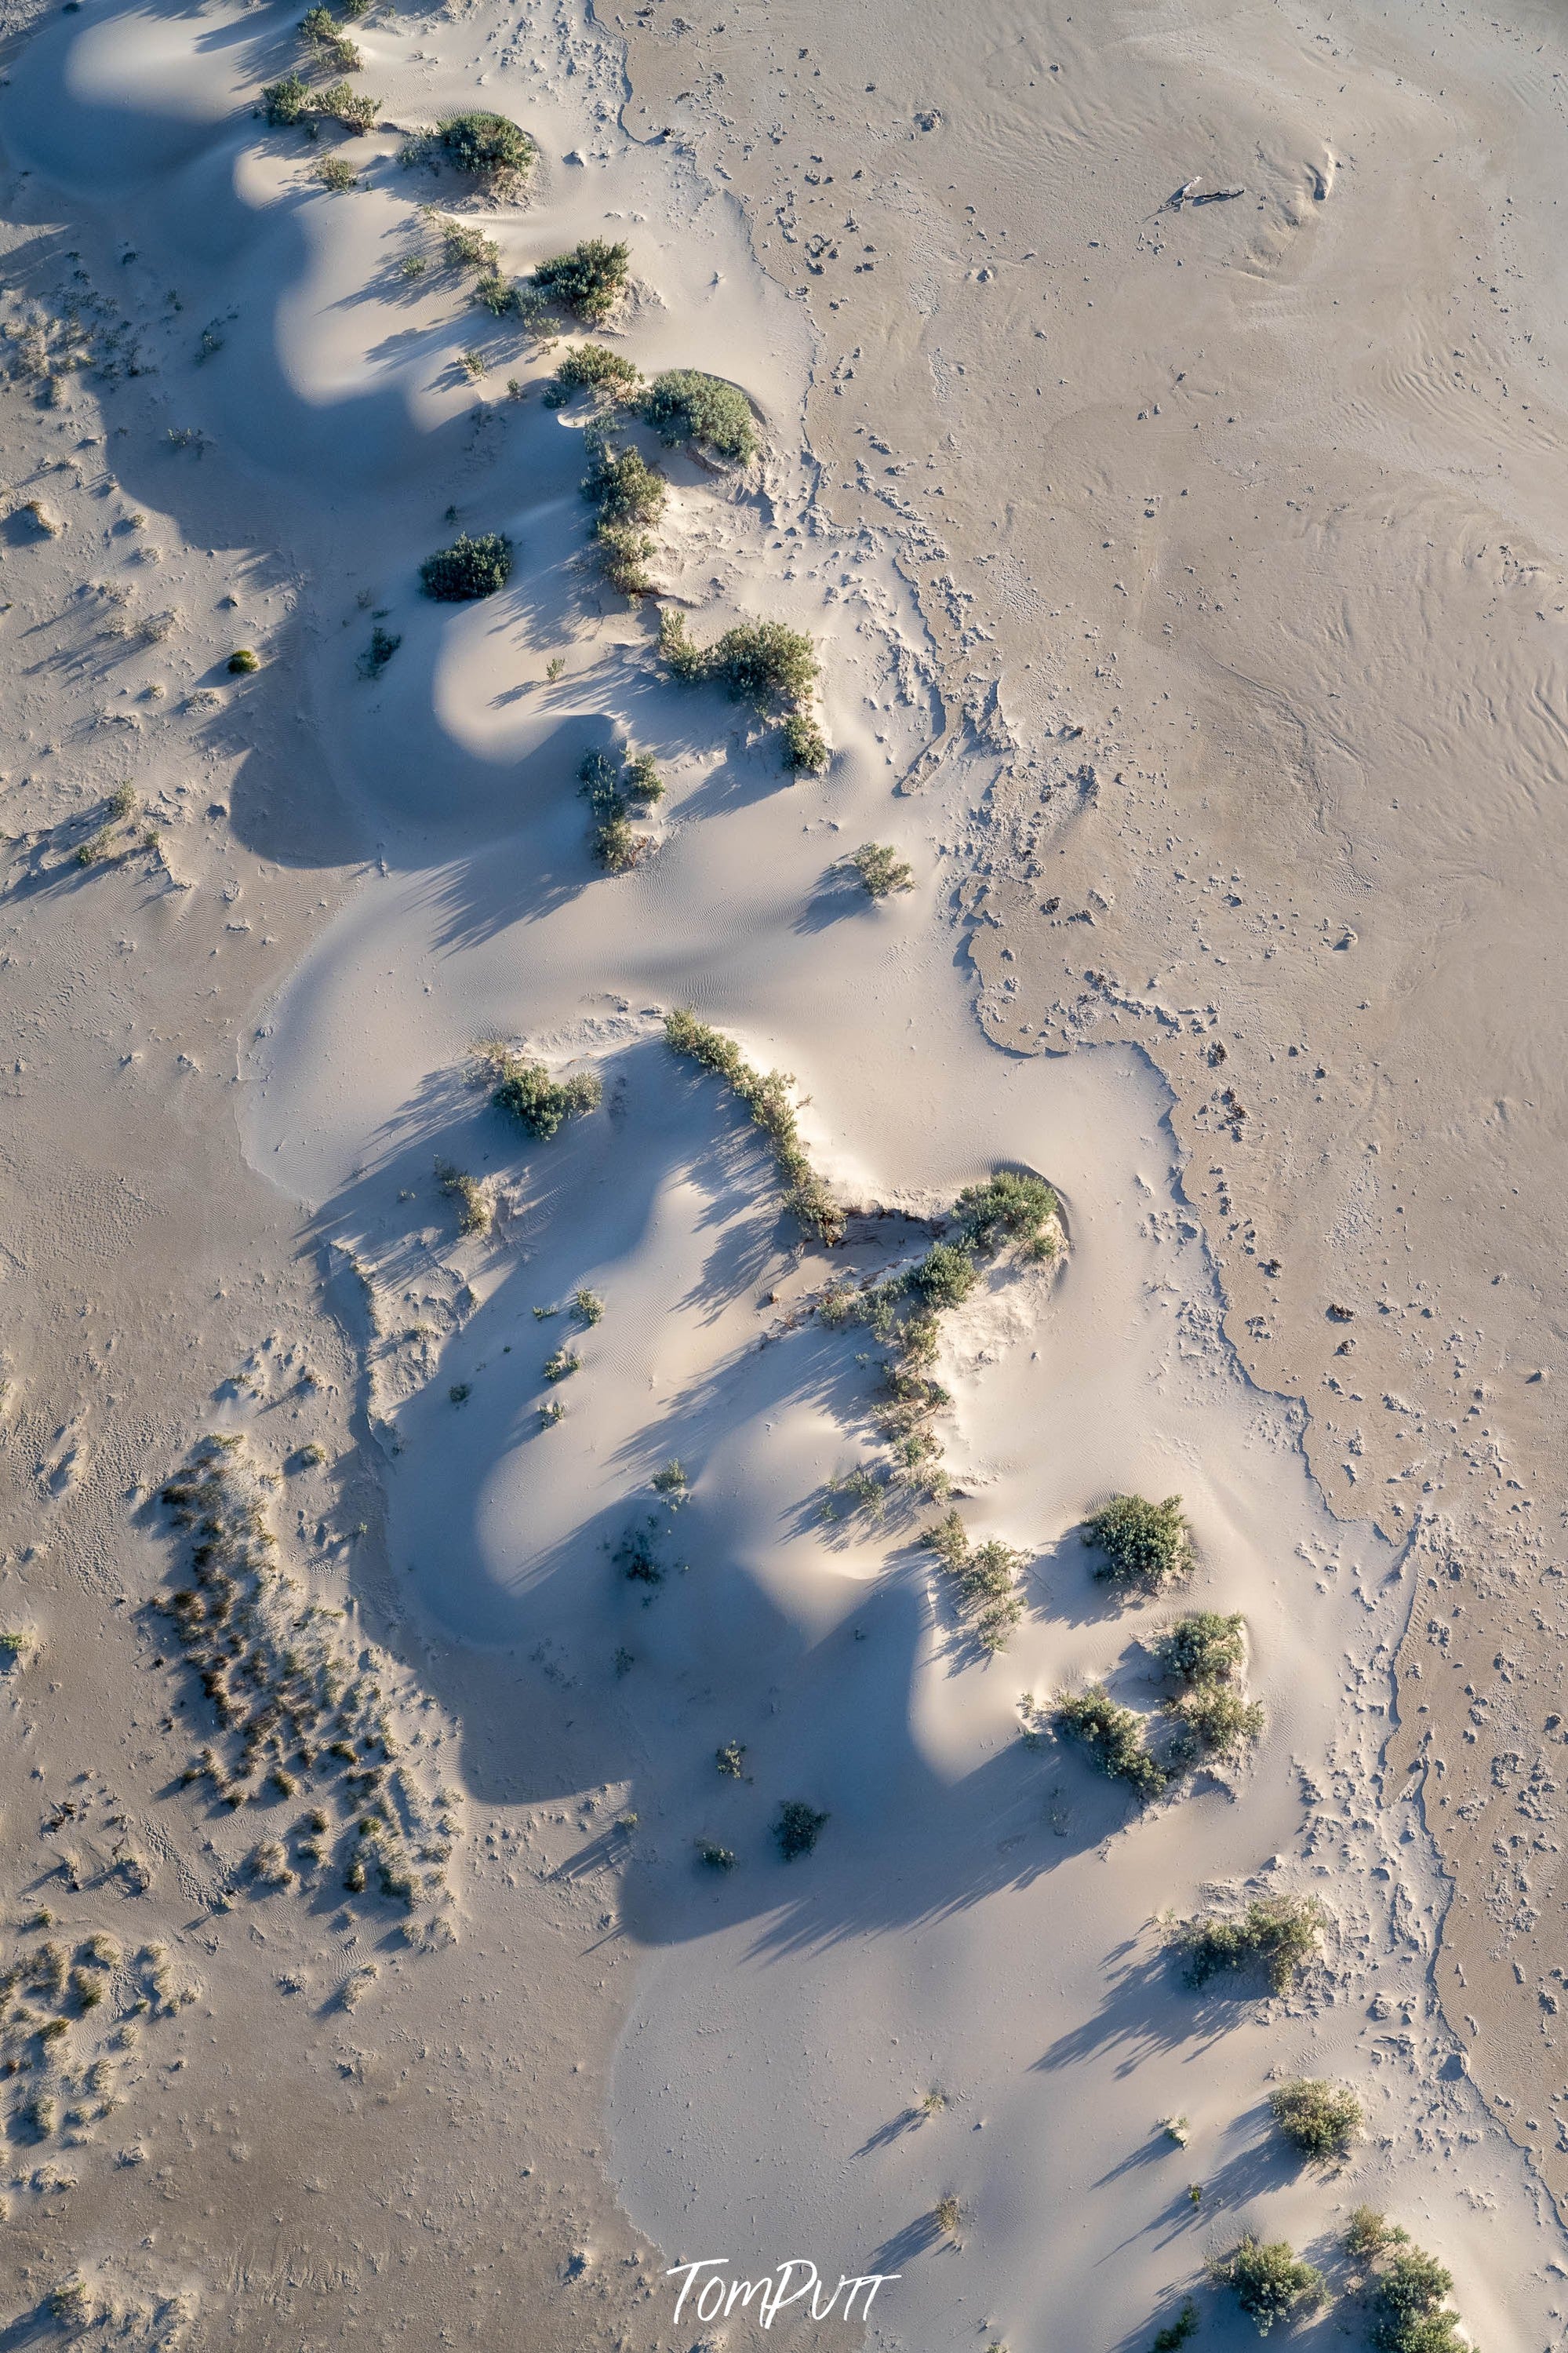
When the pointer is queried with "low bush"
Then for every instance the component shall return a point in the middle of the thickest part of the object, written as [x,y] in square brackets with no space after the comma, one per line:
[1408,2306]
[881,869]
[1368,2232]
[798,1828]
[1114,1736]
[327,41]
[717,1858]
[243,661]
[287,102]
[542,1105]
[1278,1933]
[475,1212]
[1203,1648]
[355,109]
[470,568]
[495,293]
[1204,1652]
[1010,1206]
[1268,2281]
[1176,2333]
[1218,1721]
[1142,1543]
[379,652]
[464,245]
[594,367]
[684,405]
[489,146]
[1318,2118]
[621,484]
[635,1555]
[761,662]
[589,281]
[805,747]
[334,173]
[985,1575]
[944,1277]
[766,1096]
[615,845]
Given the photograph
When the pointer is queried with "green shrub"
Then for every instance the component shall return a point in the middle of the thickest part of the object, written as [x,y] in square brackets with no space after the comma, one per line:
[593,367]
[1218,1721]
[242,662]
[355,109]
[383,646]
[287,102]
[685,661]
[1368,2232]
[589,281]
[944,1277]
[491,146]
[1010,1206]
[985,1575]
[337,175]
[641,779]
[1268,2281]
[766,1096]
[764,663]
[326,40]
[495,293]
[717,1858]
[683,405]
[1176,2333]
[1320,2119]
[467,569]
[731,1760]
[1408,2306]
[475,1212]
[798,1828]
[542,1105]
[1114,1736]
[615,845]
[881,869]
[1281,1933]
[1143,1544]
[621,484]
[807,751]
[635,1557]
[465,246]
[1203,1648]
[1204,1652]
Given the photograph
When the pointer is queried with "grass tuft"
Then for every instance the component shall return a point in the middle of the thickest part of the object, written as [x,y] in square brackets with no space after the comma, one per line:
[985,1575]
[881,869]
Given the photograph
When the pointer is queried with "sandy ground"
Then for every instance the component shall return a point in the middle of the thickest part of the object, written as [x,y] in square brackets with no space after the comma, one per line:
[1183,578]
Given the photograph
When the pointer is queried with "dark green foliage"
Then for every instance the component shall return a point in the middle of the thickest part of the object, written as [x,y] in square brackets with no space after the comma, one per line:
[287,102]
[468,568]
[1408,2306]
[355,109]
[1368,2232]
[1204,1646]
[684,661]
[491,147]
[766,1096]
[242,662]
[616,848]
[589,281]
[382,648]
[805,750]
[1143,1544]
[683,405]
[1176,2333]
[635,1555]
[798,1828]
[986,1579]
[881,869]
[1205,1653]
[761,662]
[1269,2280]
[1280,1933]
[593,367]
[495,293]
[621,484]
[327,42]
[1320,2119]
[717,1858]
[945,1276]
[641,779]
[1010,1206]
[542,1105]
[1114,1736]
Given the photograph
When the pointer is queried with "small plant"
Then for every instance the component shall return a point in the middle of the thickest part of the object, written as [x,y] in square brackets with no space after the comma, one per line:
[383,646]
[1010,1206]
[17,1645]
[641,779]
[1281,1933]
[1204,1652]
[287,102]
[1114,1736]
[495,294]
[473,364]
[470,568]
[615,846]
[1318,2118]
[766,1097]
[563,1365]
[944,1277]
[355,109]
[541,1104]
[243,661]
[551,1413]
[475,1211]
[590,1307]
[412,265]
[1409,2302]
[594,367]
[1204,1646]
[1178,2129]
[731,1760]
[670,1483]
[333,173]
[1143,1544]
[986,1579]
[589,281]
[466,246]
[946,2215]
[460,1392]
[798,1828]
[1268,2281]
[805,748]
[881,869]
[761,662]
[683,405]
[553,667]
[932,2103]
[1176,2333]
[717,1858]
[1368,2232]
[327,42]
[489,146]
[635,1557]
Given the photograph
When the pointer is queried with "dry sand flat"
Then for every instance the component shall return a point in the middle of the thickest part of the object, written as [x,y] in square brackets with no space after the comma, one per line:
[1063,691]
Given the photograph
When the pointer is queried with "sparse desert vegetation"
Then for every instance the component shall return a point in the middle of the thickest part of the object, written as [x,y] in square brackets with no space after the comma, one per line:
[588,281]
[1268,2280]
[1114,1736]
[879,869]
[628,494]
[476,1211]
[986,1579]
[613,799]
[1278,1934]
[540,1104]
[797,1828]
[765,663]
[1177,2332]
[684,405]
[468,569]
[1319,2119]
[1140,1544]
[767,1098]
[594,368]
[1407,2289]
[490,148]
[1205,1653]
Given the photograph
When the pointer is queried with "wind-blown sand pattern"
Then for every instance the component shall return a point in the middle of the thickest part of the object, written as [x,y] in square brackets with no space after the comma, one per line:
[503,1794]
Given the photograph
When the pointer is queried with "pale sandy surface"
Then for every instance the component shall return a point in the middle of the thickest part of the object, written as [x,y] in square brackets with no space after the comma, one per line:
[1183,581]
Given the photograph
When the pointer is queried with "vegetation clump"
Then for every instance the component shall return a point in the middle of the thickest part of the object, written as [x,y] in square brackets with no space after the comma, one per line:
[1270,2280]
[765,663]
[490,147]
[767,1098]
[355,109]
[798,1828]
[327,41]
[470,568]
[1205,1653]
[589,281]
[1113,1736]
[378,653]
[985,1577]
[1176,2333]
[629,494]
[805,747]
[1321,2119]
[684,405]
[541,1104]
[715,1857]
[1409,2294]
[613,800]
[1142,1543]
[243,661]
[476,1211]
[284,103]
[1280,1933]
[881,870]
[1010,1206]
[594,367]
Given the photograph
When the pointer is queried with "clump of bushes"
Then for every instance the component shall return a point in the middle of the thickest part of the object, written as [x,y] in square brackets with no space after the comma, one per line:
[614,800]
[1176,2333]
[1270,2280]
[490,147]
[880,869]
[1142,1543]
[379,652]
[355,109]
[1318,2118]
[798,1828]
[327,41]
[1409,2297]
[1010,1206]
[1280,1933]
[1204,1652]
[1114,1736]
[594,367]
[716,1857]
[766,1096]
[684,405]
[474,1211]
[772,666]
[985,1577]
[589,281]
[541,1104]
[805,747]
[284,103]
[629,494]
[470,568]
